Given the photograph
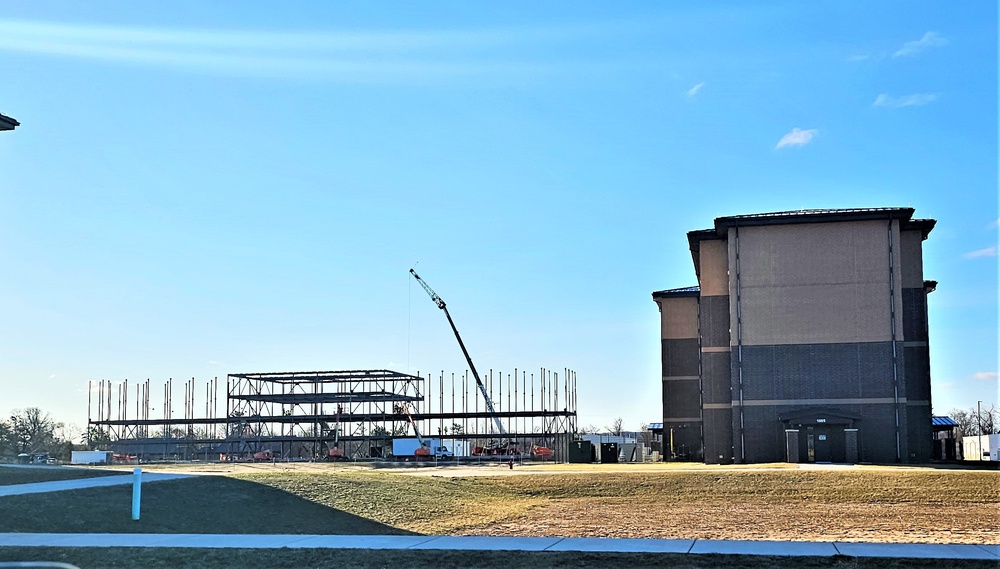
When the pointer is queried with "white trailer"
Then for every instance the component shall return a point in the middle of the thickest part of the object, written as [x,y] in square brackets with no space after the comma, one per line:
[981,448]
[91,457]
[406,447]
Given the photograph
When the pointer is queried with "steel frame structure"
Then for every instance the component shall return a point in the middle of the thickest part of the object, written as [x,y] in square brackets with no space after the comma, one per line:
[301,415]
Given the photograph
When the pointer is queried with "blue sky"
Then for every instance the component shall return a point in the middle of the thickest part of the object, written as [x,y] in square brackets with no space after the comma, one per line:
[198,190]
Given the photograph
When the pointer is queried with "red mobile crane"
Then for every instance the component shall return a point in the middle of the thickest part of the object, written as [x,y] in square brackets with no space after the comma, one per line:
[505,447]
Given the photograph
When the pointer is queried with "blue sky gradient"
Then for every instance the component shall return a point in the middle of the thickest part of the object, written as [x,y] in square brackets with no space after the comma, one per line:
[198,190]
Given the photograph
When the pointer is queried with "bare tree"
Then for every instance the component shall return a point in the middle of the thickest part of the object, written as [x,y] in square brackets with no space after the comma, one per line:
[7,444]
[33,430]
[616,427]
[977,421]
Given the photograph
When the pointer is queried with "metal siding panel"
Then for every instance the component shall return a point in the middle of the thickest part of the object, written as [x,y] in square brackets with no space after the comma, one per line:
[876,434]
[914,315]
[714,321]
[680,357]
[917,376]
[816,371]
[764,435]
[681,399]
[918,433]
[718,435]
[715,378]
[911,252]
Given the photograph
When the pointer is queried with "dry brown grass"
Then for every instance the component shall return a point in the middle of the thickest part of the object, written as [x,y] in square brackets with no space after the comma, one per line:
[861,504]
[897,505]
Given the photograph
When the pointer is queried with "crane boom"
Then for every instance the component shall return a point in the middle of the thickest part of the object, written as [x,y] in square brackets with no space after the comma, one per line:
[482,388]
[416,431]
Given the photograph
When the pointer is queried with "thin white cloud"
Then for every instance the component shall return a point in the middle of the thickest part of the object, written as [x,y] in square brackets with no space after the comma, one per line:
[696,89]
[797,137]
[985,376]
[354,56]
[928,41]
[987,252]
[53,376]
[914,100]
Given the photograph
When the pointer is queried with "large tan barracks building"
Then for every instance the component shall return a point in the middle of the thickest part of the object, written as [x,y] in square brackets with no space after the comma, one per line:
[804,341]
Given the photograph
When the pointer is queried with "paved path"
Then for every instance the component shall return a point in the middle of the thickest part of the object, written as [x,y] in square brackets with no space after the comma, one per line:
[57,485]
[700,546]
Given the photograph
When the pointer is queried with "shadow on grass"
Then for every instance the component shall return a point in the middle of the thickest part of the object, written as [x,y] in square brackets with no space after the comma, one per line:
[10,475]
[205,504]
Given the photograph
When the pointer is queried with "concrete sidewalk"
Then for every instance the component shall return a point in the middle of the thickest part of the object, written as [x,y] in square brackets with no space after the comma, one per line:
[58,485]
[478,543]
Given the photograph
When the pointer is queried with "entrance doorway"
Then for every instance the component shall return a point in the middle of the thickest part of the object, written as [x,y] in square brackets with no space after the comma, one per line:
[822,443]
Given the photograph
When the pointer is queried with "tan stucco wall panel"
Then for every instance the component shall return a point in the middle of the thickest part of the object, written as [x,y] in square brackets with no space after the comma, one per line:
[814,253]
[678,318]
[714,268]
[841,313]
[815,282]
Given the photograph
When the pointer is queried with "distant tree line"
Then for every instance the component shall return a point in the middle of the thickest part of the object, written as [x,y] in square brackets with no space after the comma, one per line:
[977,421]
[33,431]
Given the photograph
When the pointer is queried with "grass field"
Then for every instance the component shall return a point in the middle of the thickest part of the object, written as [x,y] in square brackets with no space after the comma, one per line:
[153,558]
[878,504]
[14,475]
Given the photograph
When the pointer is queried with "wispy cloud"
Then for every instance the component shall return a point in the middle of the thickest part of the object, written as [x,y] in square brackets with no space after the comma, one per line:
[987,252]
[797,137]
[928,41]
[695,90]
[53,376]
[360,56]
[914,100]
[985,376]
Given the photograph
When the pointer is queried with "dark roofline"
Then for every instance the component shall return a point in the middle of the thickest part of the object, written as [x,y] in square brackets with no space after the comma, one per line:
[923,225]
[812,216]
[7,123]
[688,291]
[694,244]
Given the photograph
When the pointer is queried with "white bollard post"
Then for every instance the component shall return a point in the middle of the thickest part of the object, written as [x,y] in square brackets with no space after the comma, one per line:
[136,492]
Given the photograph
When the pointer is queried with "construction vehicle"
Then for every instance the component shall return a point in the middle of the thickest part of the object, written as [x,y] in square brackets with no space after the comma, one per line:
[504,447]
[424,448]
[541,452]
[333,452]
